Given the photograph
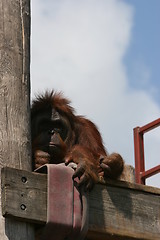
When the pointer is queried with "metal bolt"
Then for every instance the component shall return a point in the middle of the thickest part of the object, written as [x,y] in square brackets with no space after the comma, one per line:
[24,179]
[23,207]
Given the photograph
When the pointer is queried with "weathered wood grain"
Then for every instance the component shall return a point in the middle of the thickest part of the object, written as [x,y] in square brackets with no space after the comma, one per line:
[24,195]
[124,212]
[118,210]
[15,150]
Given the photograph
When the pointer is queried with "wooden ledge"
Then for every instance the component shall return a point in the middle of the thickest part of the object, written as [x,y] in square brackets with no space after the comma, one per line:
[118,209]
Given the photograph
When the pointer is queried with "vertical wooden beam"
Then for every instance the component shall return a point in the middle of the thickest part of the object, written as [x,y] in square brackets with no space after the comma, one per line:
[15,150]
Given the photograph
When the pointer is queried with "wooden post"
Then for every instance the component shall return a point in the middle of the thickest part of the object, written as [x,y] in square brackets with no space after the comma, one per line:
[15,148]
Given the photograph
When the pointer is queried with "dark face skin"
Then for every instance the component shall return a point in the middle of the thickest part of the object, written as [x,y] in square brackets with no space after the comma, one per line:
[50,137]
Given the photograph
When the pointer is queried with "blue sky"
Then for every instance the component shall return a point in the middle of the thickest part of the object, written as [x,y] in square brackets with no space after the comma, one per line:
[104,55]
[145,45]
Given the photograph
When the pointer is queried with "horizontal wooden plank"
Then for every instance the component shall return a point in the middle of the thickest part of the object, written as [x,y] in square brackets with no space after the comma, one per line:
[117,209]
[124,212]
[24,195]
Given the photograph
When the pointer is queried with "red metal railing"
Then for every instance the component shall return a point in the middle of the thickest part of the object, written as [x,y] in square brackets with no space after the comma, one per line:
[140,173]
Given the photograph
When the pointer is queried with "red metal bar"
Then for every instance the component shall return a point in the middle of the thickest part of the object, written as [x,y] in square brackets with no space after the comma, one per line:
[140,173]
[151,172]
[139,156]
[150,126]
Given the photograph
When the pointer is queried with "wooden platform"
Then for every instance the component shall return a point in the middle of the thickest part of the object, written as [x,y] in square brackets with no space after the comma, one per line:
[118,210]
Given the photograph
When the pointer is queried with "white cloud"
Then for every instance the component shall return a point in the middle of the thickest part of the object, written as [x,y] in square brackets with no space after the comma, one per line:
[78,47]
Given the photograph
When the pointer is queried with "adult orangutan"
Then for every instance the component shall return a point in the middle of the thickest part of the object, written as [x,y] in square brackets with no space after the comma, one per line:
[58,135]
